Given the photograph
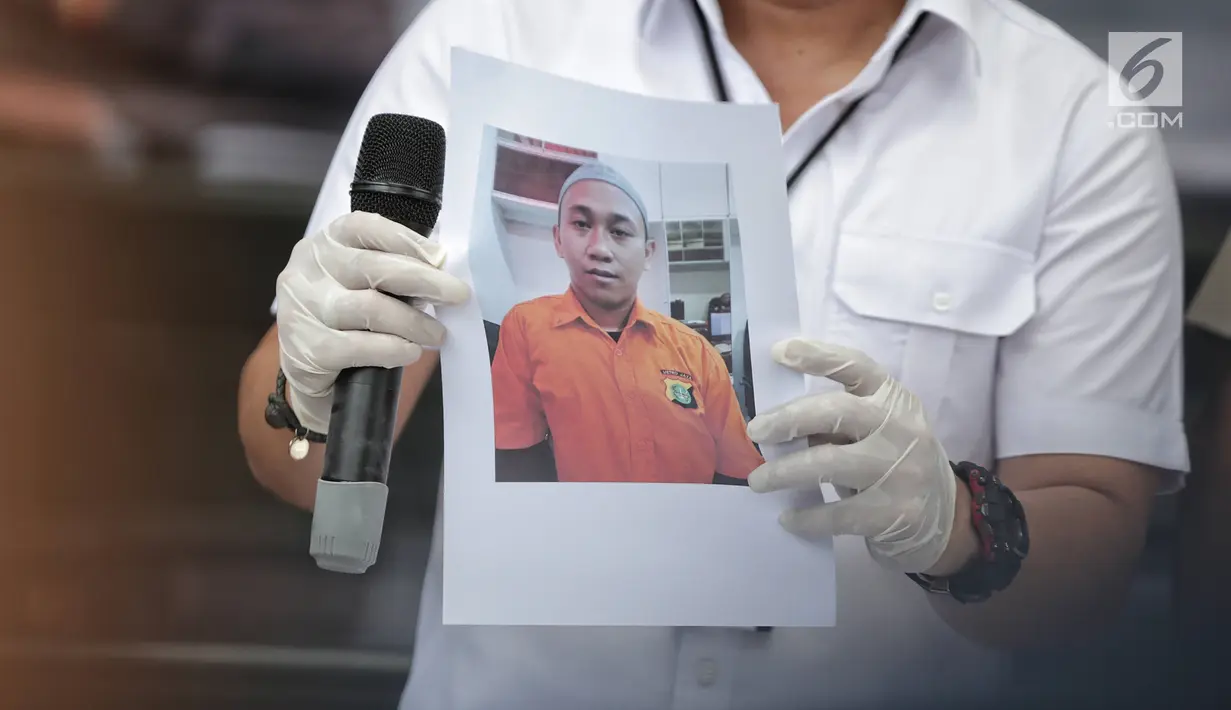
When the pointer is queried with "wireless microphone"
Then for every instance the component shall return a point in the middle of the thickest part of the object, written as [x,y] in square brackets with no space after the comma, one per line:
[399,176]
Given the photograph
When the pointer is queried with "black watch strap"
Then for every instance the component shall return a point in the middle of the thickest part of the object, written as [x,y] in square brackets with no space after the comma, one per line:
[1004,539]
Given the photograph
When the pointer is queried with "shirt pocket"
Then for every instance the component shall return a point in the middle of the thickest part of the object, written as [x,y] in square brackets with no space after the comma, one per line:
[932,312]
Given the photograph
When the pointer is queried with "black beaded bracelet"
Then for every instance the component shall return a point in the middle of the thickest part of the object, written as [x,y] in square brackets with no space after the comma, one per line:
[279,415]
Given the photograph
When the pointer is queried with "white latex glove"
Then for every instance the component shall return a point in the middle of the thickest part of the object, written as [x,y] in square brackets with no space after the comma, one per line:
[873,443]
[334,311]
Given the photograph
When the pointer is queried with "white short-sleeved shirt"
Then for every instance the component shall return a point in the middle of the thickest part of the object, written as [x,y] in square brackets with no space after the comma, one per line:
[978,227]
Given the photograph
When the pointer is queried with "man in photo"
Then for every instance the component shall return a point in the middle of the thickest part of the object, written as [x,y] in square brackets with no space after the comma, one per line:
[590,384]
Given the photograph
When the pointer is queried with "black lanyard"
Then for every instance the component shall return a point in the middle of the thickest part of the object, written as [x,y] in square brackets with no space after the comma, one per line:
[720,87]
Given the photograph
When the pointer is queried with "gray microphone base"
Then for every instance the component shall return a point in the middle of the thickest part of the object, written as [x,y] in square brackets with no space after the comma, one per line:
[347,521]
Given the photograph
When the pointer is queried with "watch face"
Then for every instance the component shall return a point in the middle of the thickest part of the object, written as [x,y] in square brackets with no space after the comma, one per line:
[1001,524]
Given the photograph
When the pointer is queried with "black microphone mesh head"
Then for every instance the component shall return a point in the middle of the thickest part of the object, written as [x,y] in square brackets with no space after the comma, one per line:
[406,151]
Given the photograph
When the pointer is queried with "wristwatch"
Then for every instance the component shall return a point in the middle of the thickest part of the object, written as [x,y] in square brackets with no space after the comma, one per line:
[1004,539]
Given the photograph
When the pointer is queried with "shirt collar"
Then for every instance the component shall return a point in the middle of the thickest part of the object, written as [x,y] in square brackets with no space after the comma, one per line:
[569,310]
[959,13]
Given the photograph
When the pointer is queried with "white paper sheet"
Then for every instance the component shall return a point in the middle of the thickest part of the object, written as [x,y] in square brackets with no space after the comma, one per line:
[610,554]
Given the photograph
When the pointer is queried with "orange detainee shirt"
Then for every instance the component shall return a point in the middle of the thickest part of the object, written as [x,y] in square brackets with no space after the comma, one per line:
[655,406]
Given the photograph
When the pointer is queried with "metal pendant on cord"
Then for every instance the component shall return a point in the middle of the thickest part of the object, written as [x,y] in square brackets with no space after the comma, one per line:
[722,95]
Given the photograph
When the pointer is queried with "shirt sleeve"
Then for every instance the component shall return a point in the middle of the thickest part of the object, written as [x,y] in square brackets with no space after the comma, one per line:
[519,418]
[1098,369]
[737,455]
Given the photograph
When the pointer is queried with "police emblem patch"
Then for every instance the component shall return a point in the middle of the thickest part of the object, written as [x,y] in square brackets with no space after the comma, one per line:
[681,393]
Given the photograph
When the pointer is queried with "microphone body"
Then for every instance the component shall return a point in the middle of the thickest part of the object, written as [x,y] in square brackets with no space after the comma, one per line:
[399,176]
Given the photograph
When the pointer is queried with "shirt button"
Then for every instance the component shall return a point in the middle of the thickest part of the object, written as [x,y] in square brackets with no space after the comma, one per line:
[630,397]
[707,672]
[942,301]
[643,444]
[619,351]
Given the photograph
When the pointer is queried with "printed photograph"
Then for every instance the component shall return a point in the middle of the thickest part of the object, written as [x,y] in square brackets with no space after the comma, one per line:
[598,384]
[619,351]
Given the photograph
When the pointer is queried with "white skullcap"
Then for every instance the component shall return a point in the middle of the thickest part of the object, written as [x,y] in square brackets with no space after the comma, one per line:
[605,173]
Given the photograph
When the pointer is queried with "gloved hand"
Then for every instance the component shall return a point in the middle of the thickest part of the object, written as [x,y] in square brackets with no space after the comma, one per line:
[332,314]
[873,443]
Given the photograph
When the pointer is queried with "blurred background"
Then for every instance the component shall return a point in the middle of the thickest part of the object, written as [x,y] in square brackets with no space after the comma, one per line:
[158,160]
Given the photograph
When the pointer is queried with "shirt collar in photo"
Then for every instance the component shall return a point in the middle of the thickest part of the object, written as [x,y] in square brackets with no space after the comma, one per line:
[569,310]
[959,13]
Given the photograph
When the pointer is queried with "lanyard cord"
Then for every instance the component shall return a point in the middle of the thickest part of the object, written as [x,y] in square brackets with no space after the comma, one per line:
[721,93]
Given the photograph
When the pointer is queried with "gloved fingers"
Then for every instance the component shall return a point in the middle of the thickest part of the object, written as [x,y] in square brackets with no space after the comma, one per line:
[858,373]
[796,470]
[313,411]
[851,466]
[333,351]
[380,350]
[380,313]
[364,230]
[849,516]
[840,415]
[398,275]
